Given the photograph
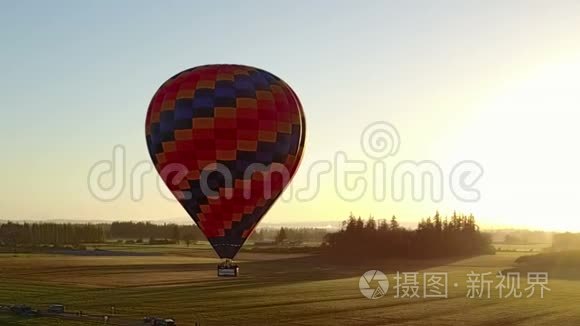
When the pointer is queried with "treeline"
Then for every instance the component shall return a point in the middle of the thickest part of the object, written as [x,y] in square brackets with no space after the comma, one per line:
[32,234]
[435,236]
[147,230]
[14,234]
[289,234]
[566,241]
[520,237]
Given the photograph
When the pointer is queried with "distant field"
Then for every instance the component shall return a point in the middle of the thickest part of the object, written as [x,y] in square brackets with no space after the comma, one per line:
[522,247]
[274,289]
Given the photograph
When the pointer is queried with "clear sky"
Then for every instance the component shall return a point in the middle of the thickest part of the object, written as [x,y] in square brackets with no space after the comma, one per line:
[497,82]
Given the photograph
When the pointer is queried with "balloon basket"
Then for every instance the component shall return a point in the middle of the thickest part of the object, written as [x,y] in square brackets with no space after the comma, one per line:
[228,269]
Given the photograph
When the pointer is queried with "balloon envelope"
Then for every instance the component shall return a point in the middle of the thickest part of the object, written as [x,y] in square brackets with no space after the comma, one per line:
[226,140]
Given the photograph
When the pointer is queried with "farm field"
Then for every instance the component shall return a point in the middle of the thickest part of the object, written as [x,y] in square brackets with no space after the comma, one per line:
[522,247]
[274,289]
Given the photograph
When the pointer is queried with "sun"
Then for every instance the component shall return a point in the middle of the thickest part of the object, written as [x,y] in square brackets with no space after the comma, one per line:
[526,137]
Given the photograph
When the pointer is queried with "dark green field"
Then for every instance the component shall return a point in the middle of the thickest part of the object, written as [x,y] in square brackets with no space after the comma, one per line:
[282,289]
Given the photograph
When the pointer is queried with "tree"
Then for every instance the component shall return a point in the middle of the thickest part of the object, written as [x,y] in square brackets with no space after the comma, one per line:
[394,223]
[281,236]
[257,236]
[384,226]
[360,224]
[350,225]
[438,222]
[175,234]
[371,224]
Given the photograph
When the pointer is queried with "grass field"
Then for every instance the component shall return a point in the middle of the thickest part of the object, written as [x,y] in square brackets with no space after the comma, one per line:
[522,247]
[274,289]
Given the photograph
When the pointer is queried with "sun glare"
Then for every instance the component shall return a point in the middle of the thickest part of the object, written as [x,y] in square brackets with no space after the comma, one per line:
[526,137]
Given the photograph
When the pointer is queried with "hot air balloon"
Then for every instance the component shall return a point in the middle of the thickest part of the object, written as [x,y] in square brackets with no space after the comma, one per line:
[226,140]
